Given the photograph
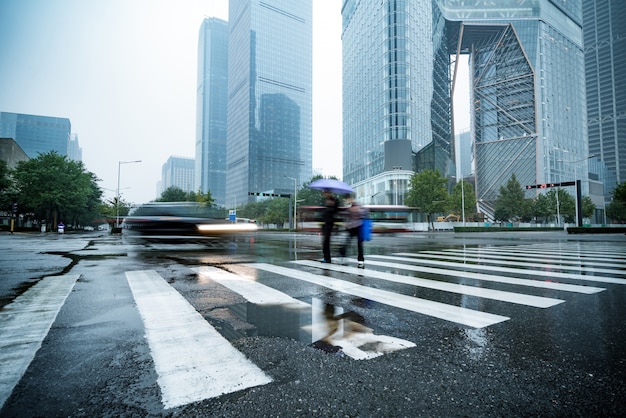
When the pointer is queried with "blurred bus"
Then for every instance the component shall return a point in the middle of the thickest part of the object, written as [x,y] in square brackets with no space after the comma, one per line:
[385,218]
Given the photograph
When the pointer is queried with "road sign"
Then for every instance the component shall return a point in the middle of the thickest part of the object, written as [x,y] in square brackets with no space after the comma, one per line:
[548,185]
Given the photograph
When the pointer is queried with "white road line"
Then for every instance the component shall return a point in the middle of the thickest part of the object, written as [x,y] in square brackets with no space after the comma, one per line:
[528,272]
[548,254]
[511,297]
[490,278]
[352,343]
[252,291]
[24,323]
[489,255]
[528,264]
[439,310]
[192,360]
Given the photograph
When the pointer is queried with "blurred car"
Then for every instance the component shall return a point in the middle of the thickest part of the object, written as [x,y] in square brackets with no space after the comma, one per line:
[181,219]
[88,228]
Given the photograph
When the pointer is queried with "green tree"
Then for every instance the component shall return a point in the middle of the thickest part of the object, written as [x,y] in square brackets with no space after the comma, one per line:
[55,188]
[455,202]
[588,207]
[511,204]
[7,194]
[427,192]
[277,212]
[308,196]
[173,194]
[616,210]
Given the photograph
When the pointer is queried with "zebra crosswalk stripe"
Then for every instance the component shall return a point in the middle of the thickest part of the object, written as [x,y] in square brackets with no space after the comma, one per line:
[439,310]
[486,260]
[192,359]
[490,278]
[504,258]
[24,323]
[501,269]
[351,342]
[511,297]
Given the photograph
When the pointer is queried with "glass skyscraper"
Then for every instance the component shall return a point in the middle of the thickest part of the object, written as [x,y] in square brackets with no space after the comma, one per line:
[36,134]
[604,28]
[269,97]
[526,80]
[212,98]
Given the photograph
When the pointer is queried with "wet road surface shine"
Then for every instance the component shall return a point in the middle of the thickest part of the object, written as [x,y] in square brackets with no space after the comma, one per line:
[439,310]
[519,298]
[24,324]
[193,360]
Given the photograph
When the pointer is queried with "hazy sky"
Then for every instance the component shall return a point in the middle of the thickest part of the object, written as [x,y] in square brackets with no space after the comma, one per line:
[124,73]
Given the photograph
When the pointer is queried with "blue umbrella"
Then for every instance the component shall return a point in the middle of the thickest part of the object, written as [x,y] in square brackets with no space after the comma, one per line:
[331,185]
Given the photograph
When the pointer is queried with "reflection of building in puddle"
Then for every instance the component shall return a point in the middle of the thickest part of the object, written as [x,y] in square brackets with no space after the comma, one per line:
[270,312]
[323,326]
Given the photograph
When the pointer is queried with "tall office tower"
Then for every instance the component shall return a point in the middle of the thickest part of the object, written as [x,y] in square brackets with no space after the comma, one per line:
[178,172]
[212,99]
[604,28]
[526,80]
[74,151]
[269,97]
[36,134]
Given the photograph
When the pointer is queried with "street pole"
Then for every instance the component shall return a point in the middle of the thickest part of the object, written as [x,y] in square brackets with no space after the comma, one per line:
[295,198]
[463,198]
[117,193]
[577,187]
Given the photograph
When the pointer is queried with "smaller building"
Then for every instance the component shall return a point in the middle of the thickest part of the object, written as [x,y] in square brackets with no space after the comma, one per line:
[11,152]
[178,172]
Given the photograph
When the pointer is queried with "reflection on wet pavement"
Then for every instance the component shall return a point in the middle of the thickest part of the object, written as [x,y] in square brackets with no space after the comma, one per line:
[322,325]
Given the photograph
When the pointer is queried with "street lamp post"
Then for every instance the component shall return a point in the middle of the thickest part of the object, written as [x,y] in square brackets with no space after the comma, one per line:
[577,186]
[117,193]
[463,198]
[295,197]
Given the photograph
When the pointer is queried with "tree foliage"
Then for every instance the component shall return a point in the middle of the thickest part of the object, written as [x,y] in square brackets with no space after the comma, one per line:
[176,194]
[616,210]
[54,188]
[427,192]
[7,194]
[511,203]
[456,200]
[588,207]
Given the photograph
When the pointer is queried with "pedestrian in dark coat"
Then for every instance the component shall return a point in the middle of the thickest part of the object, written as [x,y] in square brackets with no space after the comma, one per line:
[330,211]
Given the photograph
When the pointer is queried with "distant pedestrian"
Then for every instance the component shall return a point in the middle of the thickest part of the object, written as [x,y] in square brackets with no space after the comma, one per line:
[354,222]
[331,206]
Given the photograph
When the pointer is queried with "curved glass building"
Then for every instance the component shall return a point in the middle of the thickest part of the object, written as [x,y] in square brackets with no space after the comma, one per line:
[527,89]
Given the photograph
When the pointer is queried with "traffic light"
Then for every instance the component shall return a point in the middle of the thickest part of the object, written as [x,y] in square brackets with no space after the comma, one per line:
[14,208]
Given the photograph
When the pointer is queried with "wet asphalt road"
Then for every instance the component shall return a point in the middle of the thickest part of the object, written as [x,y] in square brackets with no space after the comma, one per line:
[565,360]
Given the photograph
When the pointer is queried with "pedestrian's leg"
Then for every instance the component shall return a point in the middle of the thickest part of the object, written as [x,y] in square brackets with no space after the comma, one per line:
[326,243]
[360,248]
[344,248]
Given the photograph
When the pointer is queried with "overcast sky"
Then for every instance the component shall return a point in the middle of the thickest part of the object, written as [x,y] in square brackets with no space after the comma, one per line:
[124,73]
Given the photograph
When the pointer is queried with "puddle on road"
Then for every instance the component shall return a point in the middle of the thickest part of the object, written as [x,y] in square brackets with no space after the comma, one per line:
[319,325]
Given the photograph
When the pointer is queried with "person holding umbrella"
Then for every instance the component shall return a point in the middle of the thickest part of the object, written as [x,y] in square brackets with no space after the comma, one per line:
[331,204]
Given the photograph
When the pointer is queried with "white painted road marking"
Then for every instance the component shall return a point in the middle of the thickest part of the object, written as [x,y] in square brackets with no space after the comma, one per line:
[24,323]
[535,264]
[350,342]
[491,278]
[511,297]
[439,310]
[192,360]
[526,272]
